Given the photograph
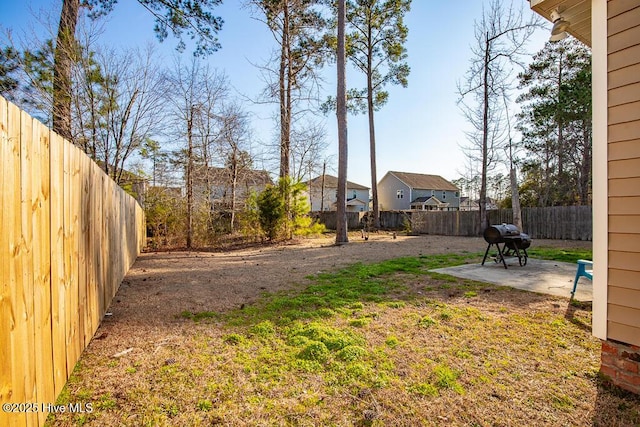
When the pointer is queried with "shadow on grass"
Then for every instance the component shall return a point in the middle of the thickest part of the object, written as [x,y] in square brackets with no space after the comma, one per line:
[611,402]
[574,307]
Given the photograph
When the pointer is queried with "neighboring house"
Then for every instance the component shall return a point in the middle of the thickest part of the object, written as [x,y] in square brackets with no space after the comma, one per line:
[612,29]
[399,191]
[322,194]
[220,182]
[466,204]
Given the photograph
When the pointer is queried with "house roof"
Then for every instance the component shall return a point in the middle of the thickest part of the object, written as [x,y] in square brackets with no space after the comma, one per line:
[427,200]
[421,181]
[331,181]
[356,202]
[467,201]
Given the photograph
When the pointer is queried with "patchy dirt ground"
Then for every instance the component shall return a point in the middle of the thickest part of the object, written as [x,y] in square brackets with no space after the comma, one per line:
[161,285]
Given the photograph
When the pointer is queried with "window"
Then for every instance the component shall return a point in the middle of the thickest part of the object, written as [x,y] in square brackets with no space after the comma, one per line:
[444,195]
[457,194]
[433,193]
[400,194]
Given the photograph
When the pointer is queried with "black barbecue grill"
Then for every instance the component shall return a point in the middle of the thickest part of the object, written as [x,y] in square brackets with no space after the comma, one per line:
[514,243]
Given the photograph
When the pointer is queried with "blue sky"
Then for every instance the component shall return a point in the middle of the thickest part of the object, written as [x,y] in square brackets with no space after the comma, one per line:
[419,130]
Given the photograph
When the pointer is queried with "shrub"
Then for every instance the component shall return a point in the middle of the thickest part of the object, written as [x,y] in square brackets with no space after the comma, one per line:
[280,211]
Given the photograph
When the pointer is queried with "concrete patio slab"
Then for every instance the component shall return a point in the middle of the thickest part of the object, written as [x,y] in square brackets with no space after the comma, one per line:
[547,277]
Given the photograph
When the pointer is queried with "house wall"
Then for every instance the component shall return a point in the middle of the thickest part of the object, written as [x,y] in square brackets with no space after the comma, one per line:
[360,195]
[315,199]
[330,197]
[623,104]
[387,194]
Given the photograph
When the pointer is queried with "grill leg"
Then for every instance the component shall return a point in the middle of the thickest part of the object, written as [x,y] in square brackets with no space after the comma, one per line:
[486,253]
[518,255]
[504,262]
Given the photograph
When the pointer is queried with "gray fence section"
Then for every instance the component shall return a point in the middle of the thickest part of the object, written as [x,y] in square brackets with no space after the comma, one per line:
[559,222]
[354,219]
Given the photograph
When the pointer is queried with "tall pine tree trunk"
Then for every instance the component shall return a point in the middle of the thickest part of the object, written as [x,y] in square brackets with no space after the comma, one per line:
[63,60]
[341,111]
[372,136]
[372,149]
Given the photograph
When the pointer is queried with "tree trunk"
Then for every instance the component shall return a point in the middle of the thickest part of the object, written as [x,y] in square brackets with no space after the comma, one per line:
[341,111]
[65,46]
[483,224]
[515,199]
[324,170]
[189,176]
[585,175]
[234,184]
[372,141]
[285,93]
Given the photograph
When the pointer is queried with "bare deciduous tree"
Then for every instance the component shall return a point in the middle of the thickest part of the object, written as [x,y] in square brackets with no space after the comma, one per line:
[117,105]
[308,145]
[233,146]
[500,37]
[194,96]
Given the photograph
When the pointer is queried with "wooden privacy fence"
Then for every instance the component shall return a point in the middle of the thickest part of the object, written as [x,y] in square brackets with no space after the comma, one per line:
[558,222]
[328,218]
[68,236]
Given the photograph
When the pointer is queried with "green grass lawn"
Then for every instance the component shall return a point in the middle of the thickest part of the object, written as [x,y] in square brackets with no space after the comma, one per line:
[563,255]
[384,344]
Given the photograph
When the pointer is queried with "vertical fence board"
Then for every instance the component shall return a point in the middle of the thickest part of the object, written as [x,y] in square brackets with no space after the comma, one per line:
[42,267]
[18,329]
[92,235]
[74,206]
[58,297]
[100,225]
[104,248]
[26,275]
[84,332]
[5,290]
[10,390]
[70,275]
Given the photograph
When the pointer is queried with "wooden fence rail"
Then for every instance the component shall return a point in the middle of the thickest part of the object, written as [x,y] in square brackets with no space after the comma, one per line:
[68,235]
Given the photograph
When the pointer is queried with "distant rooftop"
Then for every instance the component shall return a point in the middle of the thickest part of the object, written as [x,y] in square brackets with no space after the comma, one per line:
[424,182]
[331,181]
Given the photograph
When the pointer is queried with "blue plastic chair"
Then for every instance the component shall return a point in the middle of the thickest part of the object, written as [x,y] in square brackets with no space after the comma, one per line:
[582,271]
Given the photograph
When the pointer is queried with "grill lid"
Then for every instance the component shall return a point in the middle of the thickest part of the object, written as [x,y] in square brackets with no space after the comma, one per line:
[497,232]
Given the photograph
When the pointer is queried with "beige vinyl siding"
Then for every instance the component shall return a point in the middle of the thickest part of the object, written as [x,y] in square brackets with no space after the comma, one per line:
[623,59]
